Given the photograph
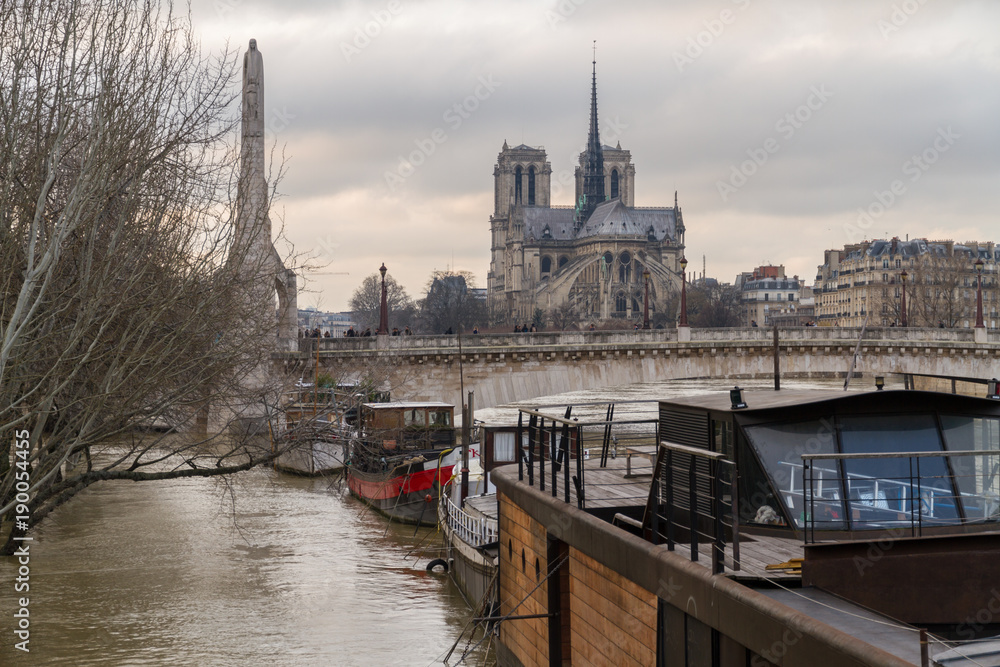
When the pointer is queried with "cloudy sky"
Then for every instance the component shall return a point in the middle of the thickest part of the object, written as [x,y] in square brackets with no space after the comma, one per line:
[787,127]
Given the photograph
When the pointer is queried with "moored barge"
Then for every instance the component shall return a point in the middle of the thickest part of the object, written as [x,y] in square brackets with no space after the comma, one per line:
[404,454]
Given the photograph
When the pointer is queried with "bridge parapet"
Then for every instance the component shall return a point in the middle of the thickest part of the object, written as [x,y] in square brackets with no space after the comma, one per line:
[504,368]
[841,335]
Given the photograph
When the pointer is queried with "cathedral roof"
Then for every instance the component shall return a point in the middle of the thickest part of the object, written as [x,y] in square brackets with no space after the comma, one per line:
[559,222]
[611,218]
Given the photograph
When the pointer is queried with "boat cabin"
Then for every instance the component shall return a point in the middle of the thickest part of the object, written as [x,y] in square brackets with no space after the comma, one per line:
[409,425]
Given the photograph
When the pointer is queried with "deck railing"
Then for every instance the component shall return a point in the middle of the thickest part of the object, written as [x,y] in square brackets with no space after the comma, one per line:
[694,490]
[475,530]
[949,492]
[555,448]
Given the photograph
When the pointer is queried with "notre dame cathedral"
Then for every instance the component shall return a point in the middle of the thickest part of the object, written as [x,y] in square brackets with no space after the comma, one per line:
[589,259]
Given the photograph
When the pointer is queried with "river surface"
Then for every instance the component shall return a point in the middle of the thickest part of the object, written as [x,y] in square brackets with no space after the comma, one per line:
[270,570]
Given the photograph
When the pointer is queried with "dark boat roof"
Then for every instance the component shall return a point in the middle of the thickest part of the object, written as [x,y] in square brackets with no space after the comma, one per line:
[761,401]
[407,405]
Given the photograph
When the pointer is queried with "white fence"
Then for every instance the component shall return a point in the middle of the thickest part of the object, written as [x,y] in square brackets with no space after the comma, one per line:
[474,530]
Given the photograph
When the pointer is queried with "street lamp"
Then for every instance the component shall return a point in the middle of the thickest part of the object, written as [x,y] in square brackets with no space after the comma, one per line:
[902,302]
[645,299]
[684,301]
[383,310]
[979,294]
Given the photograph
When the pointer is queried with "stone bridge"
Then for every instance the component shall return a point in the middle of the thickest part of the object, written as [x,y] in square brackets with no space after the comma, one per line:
[513,367]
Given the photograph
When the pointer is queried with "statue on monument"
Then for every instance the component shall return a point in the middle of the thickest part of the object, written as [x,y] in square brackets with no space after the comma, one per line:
[253,91]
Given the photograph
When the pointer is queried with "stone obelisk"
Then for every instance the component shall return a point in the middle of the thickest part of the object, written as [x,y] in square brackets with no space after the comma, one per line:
[253,223]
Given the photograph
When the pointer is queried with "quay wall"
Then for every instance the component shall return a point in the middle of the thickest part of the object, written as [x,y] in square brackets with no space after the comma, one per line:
[508,368]
[628,599]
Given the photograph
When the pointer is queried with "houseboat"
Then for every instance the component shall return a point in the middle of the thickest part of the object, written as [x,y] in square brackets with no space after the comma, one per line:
[763,528]
[403,455]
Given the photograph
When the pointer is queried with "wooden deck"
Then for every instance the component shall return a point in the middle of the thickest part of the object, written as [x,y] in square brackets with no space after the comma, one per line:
[625,481]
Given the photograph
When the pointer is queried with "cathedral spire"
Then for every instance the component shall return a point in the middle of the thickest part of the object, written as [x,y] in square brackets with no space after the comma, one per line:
[593,160]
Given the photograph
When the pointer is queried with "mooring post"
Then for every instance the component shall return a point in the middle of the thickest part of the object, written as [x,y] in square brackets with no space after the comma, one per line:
[777,361]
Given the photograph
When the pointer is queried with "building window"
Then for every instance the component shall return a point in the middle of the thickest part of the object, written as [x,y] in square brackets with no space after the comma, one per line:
[625,270]
[614,184]
[531,186]
[563,260]
[517,185]
[621,302]
[546,265]
[765,296]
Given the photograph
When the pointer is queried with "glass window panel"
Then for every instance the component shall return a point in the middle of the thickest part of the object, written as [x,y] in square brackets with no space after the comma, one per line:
[978,477]
[888,492]
[780,448]
[503,446]
[440,418]
[413,417]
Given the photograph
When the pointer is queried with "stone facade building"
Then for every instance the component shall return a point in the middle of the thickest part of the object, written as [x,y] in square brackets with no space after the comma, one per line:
[589,260]
[866,281]
[768,297]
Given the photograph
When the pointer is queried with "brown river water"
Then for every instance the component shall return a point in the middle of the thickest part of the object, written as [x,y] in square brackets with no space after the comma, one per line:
[295,573]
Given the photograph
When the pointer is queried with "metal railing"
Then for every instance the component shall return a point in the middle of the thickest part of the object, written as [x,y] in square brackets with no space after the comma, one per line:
[930,497]
[695,490]
[474,530]
[552,450]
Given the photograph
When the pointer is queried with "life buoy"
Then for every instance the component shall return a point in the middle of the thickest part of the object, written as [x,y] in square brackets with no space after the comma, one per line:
[437,561]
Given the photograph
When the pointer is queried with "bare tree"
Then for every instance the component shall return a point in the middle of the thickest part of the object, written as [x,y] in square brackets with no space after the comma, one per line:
[128,299]
[563,316]
[450,303]
[367,299]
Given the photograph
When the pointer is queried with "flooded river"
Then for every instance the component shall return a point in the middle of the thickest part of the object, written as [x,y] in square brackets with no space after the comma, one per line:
[274,570]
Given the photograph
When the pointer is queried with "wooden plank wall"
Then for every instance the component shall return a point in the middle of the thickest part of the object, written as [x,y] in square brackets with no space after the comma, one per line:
[527,639]
[613,621]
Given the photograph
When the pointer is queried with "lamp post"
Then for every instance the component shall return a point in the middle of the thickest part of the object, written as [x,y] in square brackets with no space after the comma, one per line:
[684,301]
[383,309]
[979,294]
[645,299]
[902,302]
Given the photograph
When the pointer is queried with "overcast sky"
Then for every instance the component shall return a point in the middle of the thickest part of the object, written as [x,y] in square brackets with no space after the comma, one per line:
[779,123]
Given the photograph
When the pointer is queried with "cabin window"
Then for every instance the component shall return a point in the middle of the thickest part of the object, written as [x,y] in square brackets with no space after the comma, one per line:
[978,482]
[440,418]
[503,447]
[883,492]
[414,417]
[780,448]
